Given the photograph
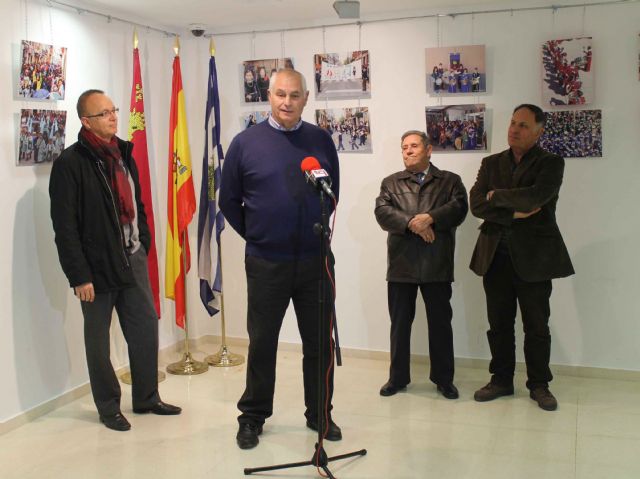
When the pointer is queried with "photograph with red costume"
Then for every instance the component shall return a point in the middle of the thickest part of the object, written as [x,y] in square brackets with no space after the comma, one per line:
[567,72]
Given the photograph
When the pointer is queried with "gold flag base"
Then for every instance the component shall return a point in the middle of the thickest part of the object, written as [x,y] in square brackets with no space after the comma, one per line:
[126,377]
[187,366]
[223,358]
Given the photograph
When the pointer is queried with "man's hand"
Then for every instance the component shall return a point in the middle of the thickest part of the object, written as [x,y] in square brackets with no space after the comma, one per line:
[490,195]
[428,235]
[419,223]
[518,215]
[85,292]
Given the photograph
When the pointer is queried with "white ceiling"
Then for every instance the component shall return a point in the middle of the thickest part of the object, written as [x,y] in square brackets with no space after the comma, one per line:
[220,16]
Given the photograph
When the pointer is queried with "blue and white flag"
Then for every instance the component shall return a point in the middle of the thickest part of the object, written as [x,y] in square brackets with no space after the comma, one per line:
[209,217]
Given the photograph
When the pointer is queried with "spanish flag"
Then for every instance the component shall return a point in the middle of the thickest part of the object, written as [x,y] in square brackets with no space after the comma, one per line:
[181,199]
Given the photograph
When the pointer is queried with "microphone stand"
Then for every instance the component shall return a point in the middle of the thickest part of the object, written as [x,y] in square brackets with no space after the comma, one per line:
[319,458]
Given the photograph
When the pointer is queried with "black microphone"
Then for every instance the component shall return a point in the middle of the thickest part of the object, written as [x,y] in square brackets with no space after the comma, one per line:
[315,175]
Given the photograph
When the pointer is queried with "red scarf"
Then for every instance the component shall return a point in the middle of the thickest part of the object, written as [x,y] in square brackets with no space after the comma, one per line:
[110,154]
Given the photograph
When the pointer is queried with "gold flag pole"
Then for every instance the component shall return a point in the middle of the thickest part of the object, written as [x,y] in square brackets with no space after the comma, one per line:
[126,376]
[223,358]
[187,365]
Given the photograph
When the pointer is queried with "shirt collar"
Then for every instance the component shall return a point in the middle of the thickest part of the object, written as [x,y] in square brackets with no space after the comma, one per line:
[279,127]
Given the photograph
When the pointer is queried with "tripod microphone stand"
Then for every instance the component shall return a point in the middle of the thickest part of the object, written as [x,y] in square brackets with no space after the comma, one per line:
[319,458]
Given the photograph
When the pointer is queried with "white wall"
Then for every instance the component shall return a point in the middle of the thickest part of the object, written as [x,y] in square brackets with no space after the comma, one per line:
[594,314]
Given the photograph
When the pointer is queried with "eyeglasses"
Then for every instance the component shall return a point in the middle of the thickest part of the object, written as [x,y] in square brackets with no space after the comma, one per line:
[104,114]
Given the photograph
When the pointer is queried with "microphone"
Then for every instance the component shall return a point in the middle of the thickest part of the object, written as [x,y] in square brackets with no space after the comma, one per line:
[315,175]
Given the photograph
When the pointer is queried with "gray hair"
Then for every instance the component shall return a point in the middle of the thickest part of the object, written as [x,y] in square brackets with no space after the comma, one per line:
[423,136]
[288,71]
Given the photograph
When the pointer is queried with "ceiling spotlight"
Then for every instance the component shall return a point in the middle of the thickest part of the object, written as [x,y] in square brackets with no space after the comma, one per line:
[347,9]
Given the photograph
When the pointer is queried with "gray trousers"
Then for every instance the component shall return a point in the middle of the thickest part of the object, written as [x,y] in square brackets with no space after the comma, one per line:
[139,323]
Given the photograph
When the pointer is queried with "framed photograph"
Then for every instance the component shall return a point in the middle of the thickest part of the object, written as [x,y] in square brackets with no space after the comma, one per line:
[256,75]
[456,70]
[457,128]
[42,136]
[573,134]
[342,75]
[42,71]
[252,118]
[567,73]
[349,128]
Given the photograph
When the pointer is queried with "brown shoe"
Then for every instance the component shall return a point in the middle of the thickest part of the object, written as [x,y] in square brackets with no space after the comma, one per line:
[544,398]
[492,391]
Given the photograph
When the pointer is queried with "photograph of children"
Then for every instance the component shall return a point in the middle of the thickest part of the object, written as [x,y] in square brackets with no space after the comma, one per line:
[256,75]
[253,118]
[567,76]
[342,75]
[573,134]
[42,71]
[456,127]
[349,128]
[455,70]
[42,134]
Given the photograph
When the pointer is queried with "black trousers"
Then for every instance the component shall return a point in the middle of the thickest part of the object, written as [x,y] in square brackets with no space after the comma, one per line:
[139,323]
[270,288]
[402,310]
[504,289]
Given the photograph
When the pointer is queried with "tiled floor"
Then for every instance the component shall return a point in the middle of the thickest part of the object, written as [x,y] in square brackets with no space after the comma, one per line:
[595,433]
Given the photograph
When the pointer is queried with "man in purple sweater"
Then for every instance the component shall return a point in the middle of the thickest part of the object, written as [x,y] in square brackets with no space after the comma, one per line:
[264,197]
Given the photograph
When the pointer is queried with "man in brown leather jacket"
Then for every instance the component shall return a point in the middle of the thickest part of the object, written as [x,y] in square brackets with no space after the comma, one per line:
[519,250]
[420,207]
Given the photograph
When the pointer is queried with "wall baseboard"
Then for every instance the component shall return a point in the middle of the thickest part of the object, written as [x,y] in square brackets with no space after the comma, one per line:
[209,344]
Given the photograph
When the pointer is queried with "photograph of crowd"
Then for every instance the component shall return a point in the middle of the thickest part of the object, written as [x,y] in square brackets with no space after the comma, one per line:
[42,135]
[342,75]
[455,70]
[349,128]
[42,71]
[567,76]
[253,118]
[256,75]
[573,134]
[456,127]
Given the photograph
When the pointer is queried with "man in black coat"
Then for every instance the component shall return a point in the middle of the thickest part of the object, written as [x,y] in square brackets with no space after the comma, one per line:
[102,238]
[518,252]
[420,207]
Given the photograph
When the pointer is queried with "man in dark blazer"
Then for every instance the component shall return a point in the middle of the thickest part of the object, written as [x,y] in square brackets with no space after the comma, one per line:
[518,252]
[102,237]
[420,207]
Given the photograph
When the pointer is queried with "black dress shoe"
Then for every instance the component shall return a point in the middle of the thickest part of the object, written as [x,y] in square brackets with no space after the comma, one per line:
[449,391]
[333,433]
[389,389]
[247,436]
[117,422]
[160,408]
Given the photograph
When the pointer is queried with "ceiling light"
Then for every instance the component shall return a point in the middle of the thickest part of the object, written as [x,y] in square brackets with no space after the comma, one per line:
[347,9]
